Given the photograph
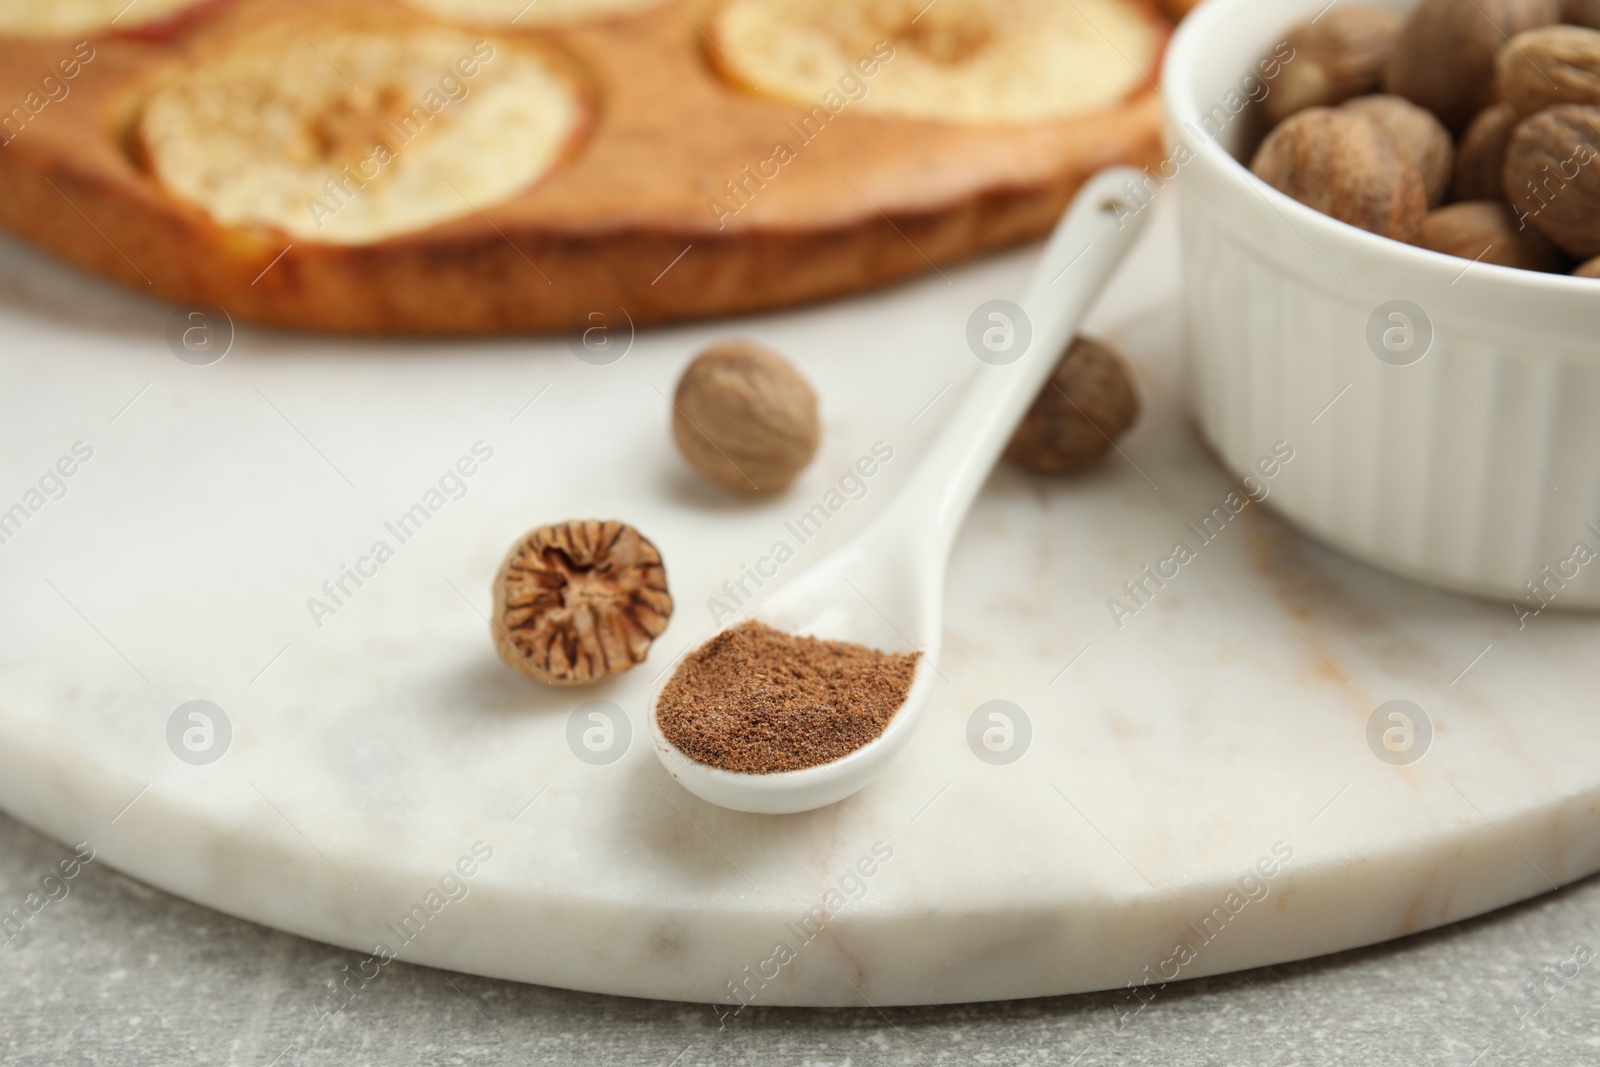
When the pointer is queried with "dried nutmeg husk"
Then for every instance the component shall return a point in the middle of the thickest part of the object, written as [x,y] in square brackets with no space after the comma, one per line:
[1486,231]
[745,418]
[1337,56]
[1548,66]
[1444,59]
[576,602]
[1552,177]
[1416,130]
[1590,269]
[1347,167]
[1481,155]
[1087,403]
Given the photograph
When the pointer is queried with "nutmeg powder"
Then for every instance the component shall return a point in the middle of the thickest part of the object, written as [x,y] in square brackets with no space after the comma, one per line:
[759,701]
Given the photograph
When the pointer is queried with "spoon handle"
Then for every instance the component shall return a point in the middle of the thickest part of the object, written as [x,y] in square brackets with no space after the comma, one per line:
[1086,246]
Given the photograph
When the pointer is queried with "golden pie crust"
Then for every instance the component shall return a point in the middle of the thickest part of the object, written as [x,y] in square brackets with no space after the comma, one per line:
[671,200]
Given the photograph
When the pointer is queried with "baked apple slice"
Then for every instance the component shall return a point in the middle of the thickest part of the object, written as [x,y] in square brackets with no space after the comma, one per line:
[967,61]
[369,133]
[526,13]
[76,18]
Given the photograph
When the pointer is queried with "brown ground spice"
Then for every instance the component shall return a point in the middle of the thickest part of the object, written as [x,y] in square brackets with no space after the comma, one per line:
[759,701]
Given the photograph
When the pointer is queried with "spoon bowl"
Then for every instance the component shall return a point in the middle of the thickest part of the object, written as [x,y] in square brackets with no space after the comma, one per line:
[866,592]
[885,588]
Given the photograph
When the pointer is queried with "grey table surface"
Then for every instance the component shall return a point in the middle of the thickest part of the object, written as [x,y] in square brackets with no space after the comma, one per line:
[116,972]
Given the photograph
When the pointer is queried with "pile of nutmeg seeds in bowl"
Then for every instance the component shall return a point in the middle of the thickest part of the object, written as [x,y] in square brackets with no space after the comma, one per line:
[1471,128]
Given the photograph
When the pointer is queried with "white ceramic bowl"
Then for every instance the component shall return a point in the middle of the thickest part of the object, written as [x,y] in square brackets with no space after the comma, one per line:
[1472,462]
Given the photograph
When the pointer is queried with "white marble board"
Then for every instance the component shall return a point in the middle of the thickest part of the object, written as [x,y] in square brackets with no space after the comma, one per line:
[1220,730]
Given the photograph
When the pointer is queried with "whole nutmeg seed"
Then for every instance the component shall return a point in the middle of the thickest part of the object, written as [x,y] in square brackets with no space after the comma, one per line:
[1340,55]
[1582,13]
[1086,404]
[1481,155]
[1486,231]
[1347,167]
[576,602]
[745,418]
[1590,269]
[1422,136]
[1548,66]
[1444,59]
[1552,178]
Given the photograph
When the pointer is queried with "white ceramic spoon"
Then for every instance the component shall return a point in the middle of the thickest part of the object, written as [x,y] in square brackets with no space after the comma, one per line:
[885,589]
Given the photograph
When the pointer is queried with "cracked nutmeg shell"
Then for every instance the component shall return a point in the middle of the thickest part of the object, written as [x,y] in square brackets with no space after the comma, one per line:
[1338,55]
[1481,155]
[576,602]
[1444,60]
[1348,167]
[745,418]
[1486,231]
[1552,178]
[1423,137]
[1088,402]
[1548,66]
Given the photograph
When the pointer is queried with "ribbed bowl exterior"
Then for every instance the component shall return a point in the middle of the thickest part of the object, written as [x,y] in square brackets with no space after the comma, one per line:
[1477,466]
